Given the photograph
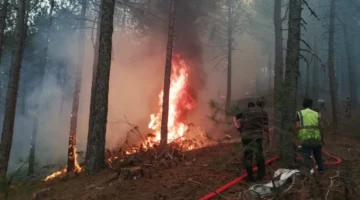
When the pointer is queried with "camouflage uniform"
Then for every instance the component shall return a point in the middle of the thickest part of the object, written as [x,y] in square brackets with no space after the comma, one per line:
[253,121]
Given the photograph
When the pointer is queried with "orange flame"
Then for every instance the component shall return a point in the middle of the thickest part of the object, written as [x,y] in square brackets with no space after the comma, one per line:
[180,101]
[77,169]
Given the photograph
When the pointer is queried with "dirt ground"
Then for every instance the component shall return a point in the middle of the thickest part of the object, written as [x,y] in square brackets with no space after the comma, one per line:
[210,167]
[203,171]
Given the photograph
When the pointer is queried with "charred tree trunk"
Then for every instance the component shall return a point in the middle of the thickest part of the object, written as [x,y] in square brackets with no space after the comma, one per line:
[352,78]
[95,151]
[75,107]
[290,83]
[37,108]
[167,77]
[229,56]
[13,86]
[332,77]
[3,14]
[278,62]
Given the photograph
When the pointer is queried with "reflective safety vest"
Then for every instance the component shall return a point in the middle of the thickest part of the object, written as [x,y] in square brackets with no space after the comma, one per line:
[309,125]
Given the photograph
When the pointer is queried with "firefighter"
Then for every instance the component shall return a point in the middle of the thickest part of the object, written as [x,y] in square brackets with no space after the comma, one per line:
[254,120]
[310,135]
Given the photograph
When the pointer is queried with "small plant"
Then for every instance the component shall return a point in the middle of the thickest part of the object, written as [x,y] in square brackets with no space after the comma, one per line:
[5,182]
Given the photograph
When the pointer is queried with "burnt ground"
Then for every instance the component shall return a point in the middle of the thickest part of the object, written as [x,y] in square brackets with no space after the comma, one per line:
[210,167]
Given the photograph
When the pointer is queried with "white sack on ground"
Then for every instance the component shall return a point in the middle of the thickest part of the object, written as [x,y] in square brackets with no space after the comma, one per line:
[262,190]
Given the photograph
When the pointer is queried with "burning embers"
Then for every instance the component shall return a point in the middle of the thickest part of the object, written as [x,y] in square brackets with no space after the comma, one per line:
[180,102]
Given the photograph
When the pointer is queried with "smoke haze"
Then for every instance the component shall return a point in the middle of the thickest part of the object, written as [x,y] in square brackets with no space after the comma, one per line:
[136,80]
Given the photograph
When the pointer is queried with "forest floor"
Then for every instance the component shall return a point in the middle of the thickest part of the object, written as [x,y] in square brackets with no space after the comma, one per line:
[205,170]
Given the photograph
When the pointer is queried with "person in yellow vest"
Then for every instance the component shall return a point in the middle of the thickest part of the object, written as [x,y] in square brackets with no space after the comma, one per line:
[310,135]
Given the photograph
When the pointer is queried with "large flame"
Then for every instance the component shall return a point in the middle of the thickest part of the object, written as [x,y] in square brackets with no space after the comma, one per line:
[180,102]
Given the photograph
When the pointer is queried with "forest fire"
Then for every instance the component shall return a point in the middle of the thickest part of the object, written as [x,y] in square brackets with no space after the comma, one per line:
[180,103]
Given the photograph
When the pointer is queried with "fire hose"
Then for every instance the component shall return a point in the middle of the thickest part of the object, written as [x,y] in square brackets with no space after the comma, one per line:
[271,160]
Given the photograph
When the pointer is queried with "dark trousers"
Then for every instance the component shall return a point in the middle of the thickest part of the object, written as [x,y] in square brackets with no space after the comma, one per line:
[251,147]
[316,150]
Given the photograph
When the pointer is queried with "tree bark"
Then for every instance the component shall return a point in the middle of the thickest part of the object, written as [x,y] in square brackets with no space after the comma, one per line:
[229,56]
[352,76]
[95,151]
[95,57]
[332,77]
[41,83]
[278,62]
[75,106]
[13,86]
[3,14]
[290,83]
[167,77]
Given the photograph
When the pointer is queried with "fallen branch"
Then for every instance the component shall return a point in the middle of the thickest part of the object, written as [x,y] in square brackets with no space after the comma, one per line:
[331,184]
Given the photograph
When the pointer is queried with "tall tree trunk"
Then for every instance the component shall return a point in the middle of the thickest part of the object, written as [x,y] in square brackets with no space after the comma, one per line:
[278,62]
[41,83]
[278,65]
[315,71]
[343,77]
[75,107]
[3,14]
[307,78]
[270,72]
[307,81]
[95,151]
[338,77]
[229,56]
[290,83]
[315,83]
[13,86]
[257,76]
[167,77]
[332,77]
[352,76]
[96,54]
[95,57]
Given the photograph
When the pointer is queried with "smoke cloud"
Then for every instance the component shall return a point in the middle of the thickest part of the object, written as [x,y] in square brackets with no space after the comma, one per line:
[136,80]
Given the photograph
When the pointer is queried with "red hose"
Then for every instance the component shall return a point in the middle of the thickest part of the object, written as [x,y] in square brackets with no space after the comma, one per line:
[233,182]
